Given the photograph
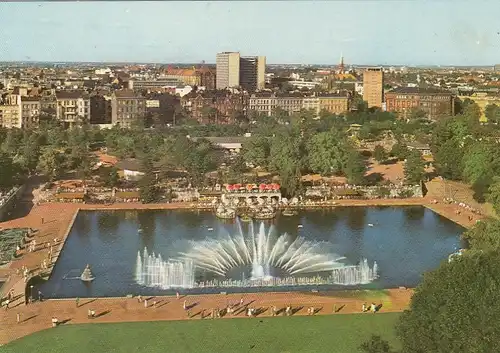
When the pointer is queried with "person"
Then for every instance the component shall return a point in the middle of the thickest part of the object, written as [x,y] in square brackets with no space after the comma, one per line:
[145,303]
[55,322]
[18,318]
[7,304]
[334,308]
[42,220]
[40,296]
[177,295]
[89,314]
[241,301]
[154,303]
[363,308]
[184,305]
[374,308]
[202,316]
[77,301]
[139,298]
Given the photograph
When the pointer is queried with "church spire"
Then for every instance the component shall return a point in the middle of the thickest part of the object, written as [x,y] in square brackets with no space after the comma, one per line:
[341,65]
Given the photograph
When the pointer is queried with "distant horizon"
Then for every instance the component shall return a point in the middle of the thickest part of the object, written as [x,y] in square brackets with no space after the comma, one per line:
[197,64]
[375,33]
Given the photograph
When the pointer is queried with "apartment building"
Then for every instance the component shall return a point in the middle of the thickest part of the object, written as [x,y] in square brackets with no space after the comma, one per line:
[10,116]
[311,103]
[227,70]
[154,84]
[30,112]
[73,107]
[335,103]
[267,103]
[190,77]
[434,102]
[127,106]
[215,107]
[100,109]
[253,73]
[373,86]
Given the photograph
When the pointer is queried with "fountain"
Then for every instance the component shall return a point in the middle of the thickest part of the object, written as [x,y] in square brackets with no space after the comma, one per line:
[271,260]
[263,251]
[153,271]
[87,275]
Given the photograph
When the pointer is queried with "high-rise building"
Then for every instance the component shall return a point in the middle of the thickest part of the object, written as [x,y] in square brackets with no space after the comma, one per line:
[253,73]
[373,86]
[228,70]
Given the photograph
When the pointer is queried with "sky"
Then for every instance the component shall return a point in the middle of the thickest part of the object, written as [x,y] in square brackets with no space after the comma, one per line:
[419,32]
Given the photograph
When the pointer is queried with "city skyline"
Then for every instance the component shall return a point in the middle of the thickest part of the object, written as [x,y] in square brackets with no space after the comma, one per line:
[370,33]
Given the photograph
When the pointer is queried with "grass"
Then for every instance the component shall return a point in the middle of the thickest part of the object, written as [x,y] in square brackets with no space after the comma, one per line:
[330,333]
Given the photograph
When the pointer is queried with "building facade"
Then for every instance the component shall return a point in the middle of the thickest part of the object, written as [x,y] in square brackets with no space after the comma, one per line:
[434,102]
[227,70]
[335,103]
[216,107]
[100,109]
[267,103]
[253,73]
[73,107]
[127,106]
[373,87]
[30,112]
[10,116]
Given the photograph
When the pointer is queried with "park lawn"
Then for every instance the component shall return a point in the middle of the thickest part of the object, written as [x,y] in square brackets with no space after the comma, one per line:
[341,333]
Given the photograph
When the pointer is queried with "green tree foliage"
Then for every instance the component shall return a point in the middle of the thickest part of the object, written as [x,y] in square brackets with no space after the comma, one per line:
[493,195]
[51,164]
[285,152]
[484,235]
[375,345]
[112,178]
[455,308]
[8,171]
[399,151]
[148,190]
[327,153]
[449,160]
[256,150]
[355,168]
[492,113]
[379,154]
[481,163]
[414,168]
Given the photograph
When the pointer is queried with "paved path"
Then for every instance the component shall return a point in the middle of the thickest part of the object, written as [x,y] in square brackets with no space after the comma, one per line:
[37,316]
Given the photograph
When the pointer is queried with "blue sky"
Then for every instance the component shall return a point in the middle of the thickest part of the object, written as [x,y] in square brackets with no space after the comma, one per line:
[316,32]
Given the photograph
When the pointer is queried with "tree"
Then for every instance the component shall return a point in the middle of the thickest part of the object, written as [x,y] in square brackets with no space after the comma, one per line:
[375,345]
[379,154]
[493,195]
[112,178]
[355,168]
[147,185]
[484,235]
[8,172]
[256,150]
[399,151]
[326,153]
[455,308]
[449,160]
[51,164]
[414,168]
[492,113]
[481,163]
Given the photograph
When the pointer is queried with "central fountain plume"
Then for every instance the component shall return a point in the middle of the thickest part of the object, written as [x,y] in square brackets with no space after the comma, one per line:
[261,251]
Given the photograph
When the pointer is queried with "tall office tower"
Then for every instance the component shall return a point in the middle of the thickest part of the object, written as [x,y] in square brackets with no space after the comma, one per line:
[252,73]
[373,86]
[227,70]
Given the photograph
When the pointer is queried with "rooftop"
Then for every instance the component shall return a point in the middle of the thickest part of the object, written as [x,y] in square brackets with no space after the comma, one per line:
[70,94]
[419,90]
